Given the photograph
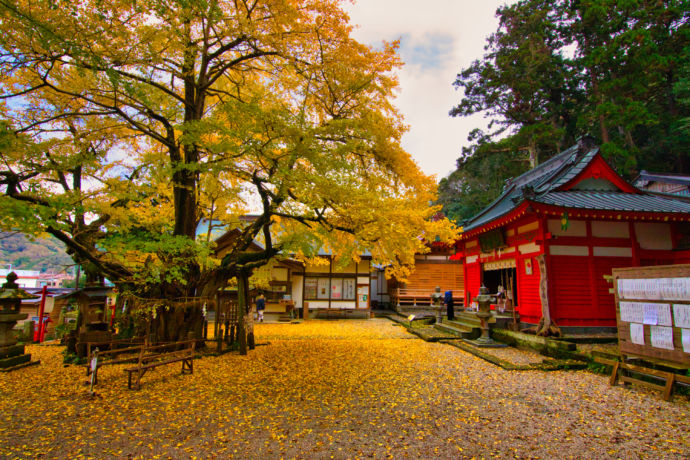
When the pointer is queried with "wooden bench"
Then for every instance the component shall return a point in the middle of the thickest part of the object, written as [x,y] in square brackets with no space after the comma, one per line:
[151,357]
[627,370]
[414,297]
[111,357]
[111,345]
[404,296]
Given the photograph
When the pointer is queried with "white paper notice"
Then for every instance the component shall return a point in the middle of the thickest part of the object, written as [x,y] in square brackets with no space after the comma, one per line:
[620,287]
[661,337]
[624,289]
[685,338]
[632,312]
[651,289]
[675,288]
[654,289]
[666,286]
[663,314]
[651,316]
[639,291]
[637,333]
[681,315]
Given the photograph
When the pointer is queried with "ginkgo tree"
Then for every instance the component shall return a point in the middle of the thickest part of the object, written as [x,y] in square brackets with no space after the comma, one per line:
[127,123]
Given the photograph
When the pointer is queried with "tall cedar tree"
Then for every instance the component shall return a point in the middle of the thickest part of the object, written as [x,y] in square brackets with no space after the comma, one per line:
[556,70]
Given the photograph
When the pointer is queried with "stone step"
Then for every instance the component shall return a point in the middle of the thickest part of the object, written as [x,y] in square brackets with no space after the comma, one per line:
[459,331]
[14,361]
[470,319]
[603,337]
[464,320]
[432,334]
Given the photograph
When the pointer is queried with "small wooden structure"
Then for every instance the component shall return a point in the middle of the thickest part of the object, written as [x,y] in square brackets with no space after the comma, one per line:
[57,300]
[436,268]
[226,318]
[328,287]
[678,184]
[95,305]
[336,289]
[653,316]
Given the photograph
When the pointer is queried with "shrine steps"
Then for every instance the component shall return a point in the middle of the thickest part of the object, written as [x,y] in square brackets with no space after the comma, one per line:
[461,331]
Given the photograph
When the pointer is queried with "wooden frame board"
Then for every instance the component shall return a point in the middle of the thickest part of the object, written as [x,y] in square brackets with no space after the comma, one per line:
[651,307]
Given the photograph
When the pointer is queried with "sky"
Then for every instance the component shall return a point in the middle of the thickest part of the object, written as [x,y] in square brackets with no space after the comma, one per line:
[438,39]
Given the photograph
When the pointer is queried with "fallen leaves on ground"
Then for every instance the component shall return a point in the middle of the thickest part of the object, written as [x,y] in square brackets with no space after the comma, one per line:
[515,356]
[334,389]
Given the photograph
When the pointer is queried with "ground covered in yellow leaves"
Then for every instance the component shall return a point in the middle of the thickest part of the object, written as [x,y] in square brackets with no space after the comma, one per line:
[334,389]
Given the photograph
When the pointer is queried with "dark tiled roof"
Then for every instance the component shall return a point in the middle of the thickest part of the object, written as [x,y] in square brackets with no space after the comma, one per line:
[645,177]
[541,184]
[503,205]
[614,201]
[541,174]
[556,170]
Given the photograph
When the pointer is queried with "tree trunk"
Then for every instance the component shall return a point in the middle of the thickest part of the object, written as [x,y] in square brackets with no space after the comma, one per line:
[605,137]
[175,324]
[242,283]
[533,156]
[546,325]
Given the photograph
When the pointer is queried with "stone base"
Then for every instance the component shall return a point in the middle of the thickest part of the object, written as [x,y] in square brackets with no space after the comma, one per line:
[13,361]
[12,350]
[21,366]
[482,344]
[13,357]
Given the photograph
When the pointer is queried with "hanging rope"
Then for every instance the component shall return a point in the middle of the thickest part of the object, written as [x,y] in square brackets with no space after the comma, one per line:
[144,305]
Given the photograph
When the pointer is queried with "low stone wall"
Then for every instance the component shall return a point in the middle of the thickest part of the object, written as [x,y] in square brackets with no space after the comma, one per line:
[407,310]
[544,345]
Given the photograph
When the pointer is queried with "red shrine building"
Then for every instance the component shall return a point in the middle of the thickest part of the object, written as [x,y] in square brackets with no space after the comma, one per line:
[579,217]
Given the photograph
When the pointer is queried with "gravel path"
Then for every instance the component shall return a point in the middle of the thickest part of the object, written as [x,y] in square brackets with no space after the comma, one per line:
[335,389]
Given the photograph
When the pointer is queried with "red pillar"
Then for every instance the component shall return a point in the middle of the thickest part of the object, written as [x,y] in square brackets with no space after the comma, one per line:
[112,315]
[41,309]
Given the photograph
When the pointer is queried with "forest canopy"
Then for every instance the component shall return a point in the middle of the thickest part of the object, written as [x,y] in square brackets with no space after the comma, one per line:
[556,70]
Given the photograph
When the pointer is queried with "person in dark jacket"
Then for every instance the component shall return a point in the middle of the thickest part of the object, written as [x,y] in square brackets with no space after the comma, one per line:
[260,307]
[448,300]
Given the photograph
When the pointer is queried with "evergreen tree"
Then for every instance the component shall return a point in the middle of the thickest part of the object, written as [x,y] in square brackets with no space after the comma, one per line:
[557,70]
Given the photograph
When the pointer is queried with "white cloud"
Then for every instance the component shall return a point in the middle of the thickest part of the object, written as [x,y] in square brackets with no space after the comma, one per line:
[438,39]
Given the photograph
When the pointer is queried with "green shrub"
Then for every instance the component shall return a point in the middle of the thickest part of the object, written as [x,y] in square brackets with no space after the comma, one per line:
[598,368]
[72,358]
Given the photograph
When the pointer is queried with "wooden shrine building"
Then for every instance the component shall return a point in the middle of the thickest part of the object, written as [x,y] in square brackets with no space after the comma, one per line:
[439,268]
[325,288]
[580,219]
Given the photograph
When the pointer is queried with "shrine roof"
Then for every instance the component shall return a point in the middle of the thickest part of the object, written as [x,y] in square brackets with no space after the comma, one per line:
[646,177]
[615,201]
[575,178]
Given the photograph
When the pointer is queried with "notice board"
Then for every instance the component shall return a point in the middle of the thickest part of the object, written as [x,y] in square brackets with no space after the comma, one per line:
[653,312]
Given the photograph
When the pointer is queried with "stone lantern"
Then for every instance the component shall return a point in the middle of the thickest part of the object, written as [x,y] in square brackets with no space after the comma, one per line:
[484,313]
[11,354]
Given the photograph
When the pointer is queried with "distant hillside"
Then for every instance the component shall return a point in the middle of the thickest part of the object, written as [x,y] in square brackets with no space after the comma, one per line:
[46,254]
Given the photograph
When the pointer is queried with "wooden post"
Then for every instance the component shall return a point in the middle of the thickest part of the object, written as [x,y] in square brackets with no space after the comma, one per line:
[249,322]
[668,389]
[241,310]
[217,317]
[614,374]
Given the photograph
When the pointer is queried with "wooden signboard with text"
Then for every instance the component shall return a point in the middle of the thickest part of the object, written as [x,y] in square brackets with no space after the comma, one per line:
[653,312]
